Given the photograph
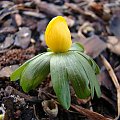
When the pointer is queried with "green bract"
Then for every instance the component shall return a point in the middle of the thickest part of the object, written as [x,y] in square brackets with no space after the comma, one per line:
[72,66]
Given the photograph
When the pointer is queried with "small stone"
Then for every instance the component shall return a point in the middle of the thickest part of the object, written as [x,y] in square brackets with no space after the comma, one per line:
[23,37]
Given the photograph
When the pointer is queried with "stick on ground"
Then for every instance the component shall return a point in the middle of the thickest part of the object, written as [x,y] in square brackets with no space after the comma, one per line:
[114,79]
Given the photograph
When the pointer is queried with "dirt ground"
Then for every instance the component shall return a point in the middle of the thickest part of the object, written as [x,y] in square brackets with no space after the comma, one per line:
[93,23]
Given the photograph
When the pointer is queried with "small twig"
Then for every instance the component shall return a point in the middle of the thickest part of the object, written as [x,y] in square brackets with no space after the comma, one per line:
[35,113]
[77,9]
[89,114]
[114,79]
[34,14]
[22,95]
[49,95]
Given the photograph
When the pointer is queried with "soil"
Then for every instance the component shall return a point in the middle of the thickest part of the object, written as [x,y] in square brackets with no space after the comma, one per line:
[95,24]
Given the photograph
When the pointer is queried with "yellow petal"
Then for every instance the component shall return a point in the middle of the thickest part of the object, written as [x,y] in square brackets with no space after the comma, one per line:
[57,35]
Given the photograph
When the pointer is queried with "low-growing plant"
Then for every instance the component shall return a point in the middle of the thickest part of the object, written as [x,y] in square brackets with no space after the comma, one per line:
[65,61]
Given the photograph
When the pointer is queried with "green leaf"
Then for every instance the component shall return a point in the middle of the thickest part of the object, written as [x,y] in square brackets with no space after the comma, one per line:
[77,47]
[91,62]
[60,79]
[77,75]
[90,74]
[17,73]
[35,72]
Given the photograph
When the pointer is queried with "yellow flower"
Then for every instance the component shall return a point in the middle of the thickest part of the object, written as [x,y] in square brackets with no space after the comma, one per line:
[57,35]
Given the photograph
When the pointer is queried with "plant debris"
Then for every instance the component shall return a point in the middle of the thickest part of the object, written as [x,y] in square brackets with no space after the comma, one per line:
[93,23]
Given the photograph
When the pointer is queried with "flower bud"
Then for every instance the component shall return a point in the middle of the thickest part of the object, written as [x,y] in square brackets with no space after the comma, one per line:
[57,35]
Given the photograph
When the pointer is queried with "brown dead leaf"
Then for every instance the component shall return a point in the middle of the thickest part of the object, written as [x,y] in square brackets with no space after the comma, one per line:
[115,25]
[93,46]
[7,43]
[105,80]
[114,44]
[49,9]
[7,71]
